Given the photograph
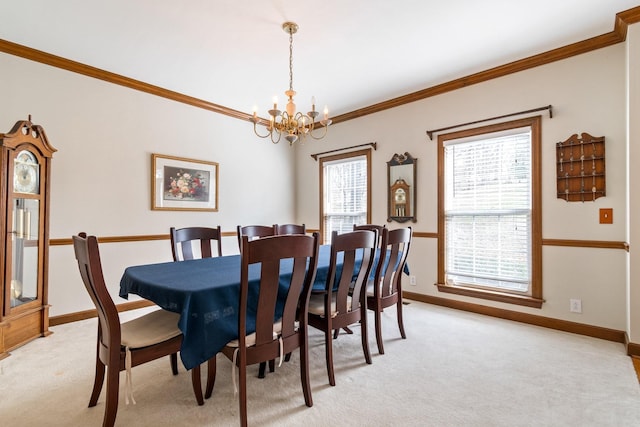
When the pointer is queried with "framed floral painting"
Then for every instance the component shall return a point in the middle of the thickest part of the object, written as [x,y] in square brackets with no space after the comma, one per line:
[179,184]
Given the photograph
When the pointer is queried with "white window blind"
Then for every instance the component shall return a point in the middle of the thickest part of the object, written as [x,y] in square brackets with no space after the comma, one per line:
[345,195]
[488,212]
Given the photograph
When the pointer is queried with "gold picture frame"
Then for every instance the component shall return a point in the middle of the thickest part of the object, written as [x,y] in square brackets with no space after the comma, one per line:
[181,184]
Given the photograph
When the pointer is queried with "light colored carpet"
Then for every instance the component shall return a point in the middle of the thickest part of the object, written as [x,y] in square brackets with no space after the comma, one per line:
[455,369]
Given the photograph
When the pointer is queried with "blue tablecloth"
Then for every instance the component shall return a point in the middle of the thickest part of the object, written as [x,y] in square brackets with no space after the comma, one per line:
[206,294]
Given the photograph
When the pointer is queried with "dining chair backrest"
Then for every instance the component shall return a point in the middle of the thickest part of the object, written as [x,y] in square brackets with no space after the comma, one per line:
[268,252]
[290,229]
[397,243]
[344,301]
[90,266]
[255,232]
[386,288]
[280,309]
[372,227]
[204,238]
[357,251]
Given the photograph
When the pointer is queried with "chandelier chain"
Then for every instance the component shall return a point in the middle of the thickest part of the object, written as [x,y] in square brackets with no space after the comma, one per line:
[290,60]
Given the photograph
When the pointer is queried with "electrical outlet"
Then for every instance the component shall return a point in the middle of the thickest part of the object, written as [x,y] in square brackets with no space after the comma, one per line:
[412,280]
[575,305]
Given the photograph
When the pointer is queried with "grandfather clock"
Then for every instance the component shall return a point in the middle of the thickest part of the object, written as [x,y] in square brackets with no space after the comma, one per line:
[24,227]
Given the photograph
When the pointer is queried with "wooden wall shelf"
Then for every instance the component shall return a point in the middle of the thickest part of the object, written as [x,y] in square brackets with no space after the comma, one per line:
[580,168]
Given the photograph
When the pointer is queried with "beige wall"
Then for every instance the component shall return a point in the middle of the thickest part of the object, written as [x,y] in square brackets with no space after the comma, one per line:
[105,135]
[100,183]
[633,128]
[588,94]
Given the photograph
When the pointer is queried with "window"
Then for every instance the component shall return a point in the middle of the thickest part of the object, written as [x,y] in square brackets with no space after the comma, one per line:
[344,188]
[489,227]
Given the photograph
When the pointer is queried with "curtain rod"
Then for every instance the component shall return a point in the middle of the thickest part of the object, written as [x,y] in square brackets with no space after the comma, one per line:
[373,144]
[548,107]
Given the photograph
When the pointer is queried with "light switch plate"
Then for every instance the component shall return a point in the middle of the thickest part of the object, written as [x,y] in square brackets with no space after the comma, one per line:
[606,216]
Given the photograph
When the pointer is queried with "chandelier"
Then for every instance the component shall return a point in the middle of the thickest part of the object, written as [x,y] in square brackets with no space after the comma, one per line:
[293,125]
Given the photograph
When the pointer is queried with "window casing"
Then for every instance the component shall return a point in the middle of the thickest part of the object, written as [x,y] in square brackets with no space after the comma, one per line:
[489,220]
[345,189]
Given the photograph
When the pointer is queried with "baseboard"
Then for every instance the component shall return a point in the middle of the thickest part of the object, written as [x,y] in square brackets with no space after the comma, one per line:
[88,314]
[532,319]
[633,349]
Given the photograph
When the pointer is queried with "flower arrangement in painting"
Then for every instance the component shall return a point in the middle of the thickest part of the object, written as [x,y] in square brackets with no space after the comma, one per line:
[186,185]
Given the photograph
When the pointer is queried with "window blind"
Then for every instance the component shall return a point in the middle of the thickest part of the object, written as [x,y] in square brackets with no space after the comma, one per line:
[488,212]
[345,195]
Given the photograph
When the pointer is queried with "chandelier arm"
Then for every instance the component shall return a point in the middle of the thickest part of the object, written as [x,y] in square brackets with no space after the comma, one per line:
[275,141]
[326,128]
[255,130]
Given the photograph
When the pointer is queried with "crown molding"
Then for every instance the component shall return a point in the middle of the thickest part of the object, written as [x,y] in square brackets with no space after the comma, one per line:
[87,70]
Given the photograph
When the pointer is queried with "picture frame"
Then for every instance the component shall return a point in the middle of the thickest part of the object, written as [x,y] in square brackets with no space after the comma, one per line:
[181,184]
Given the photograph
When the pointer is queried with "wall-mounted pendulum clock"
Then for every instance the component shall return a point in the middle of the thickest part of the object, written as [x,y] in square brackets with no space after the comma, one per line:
[400,195]
[24,227]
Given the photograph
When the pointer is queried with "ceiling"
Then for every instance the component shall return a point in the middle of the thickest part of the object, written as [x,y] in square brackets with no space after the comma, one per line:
[349,54]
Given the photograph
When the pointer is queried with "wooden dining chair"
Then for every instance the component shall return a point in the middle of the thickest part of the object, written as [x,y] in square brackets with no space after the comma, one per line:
[277,330]
[255,232]
[343,302]
[372,227]
[385,290]
[184,239]
[284,229]
[121,346]
[290,229]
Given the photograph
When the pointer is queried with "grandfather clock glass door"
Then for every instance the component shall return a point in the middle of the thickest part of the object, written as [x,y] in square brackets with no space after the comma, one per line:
[24,242]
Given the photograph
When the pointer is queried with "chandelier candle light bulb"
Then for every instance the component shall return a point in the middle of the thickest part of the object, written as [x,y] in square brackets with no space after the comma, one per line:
[295,126]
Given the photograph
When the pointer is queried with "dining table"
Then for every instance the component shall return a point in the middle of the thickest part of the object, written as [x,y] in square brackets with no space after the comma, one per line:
[205,292]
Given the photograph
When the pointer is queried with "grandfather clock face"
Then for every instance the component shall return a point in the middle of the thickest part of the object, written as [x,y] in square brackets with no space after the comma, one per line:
[401,196]
[26,173]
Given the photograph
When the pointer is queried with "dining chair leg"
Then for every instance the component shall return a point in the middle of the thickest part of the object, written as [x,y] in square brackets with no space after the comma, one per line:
[272,365]
[336,332]
[364,334]
[242,400]
[304,371]
[378,324]
[111,406]
[211,376]
[400,322]
[174,363]
[262,369]
[328,343]
[97,383]
[197,384]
